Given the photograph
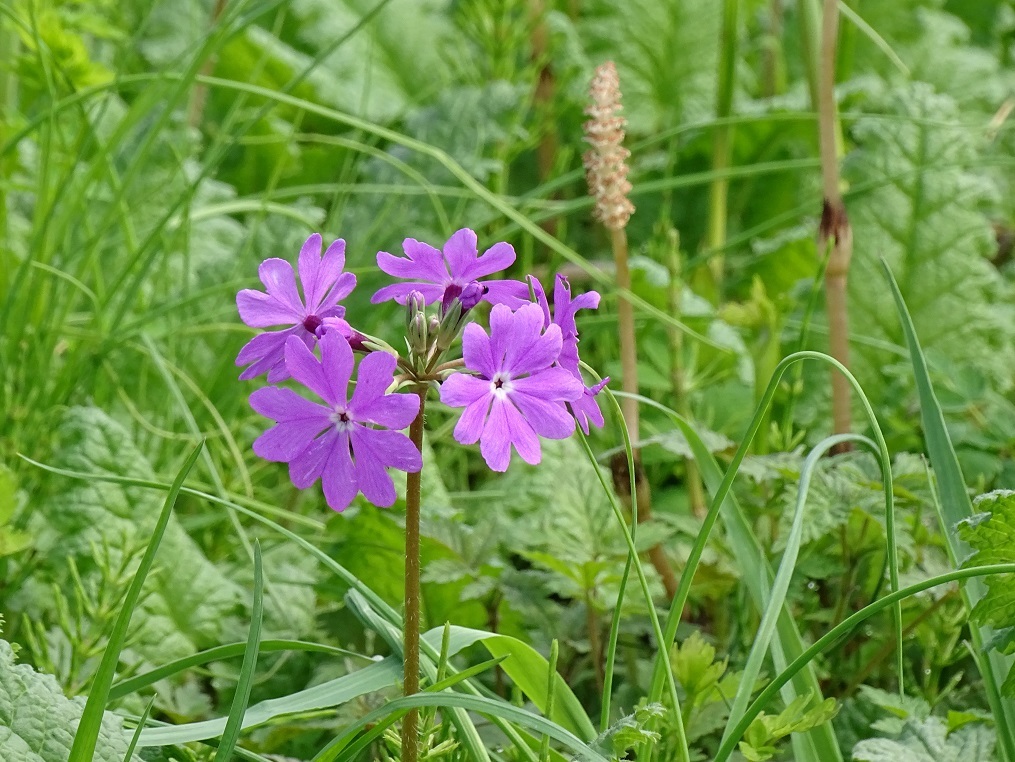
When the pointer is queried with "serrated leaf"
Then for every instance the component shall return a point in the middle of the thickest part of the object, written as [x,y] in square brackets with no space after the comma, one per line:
[189,600]
[928,741]
[37,722]
[922,214]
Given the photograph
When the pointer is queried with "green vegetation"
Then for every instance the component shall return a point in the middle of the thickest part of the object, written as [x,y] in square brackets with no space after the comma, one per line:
[718,573]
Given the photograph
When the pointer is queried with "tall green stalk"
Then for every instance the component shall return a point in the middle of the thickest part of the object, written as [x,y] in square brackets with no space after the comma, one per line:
[722,146]
[410,657]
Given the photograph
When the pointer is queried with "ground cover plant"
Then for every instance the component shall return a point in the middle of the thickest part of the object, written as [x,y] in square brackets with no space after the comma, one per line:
[506,380]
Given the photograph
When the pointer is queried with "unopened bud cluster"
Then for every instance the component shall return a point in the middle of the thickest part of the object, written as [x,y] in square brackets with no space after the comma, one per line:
[605,164]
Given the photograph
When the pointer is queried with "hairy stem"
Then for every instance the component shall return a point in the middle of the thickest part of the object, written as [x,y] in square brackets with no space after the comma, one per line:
[410,723]
[835,230]
[629,405]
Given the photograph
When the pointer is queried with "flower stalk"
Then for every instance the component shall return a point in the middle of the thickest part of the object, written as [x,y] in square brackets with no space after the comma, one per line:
[410,656]
[606,173]
[835,235]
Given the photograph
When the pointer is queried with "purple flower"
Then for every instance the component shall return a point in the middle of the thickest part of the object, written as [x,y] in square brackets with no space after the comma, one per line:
[333,442]
[434,274]
[516,394]
[324,285]
[585,409]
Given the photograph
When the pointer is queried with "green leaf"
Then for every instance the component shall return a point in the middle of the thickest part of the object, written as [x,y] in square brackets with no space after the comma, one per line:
[766,730]
[929,741]
[87,734]
[37,721]
[920,210]
[188,599]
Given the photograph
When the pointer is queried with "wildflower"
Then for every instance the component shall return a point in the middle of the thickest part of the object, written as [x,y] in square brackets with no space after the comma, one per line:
[324,285]
[442,277]
[335,442]
[585,409]
[516,395]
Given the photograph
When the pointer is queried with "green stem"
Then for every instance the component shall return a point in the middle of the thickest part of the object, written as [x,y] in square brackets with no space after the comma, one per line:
[410,657]
[722,147]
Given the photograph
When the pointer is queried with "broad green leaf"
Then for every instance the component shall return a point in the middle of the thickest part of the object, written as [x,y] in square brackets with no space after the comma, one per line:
[929,741]
[920,211]
[37,721]
[188,601]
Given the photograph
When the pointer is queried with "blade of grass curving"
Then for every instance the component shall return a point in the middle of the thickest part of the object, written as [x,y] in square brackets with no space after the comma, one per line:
[88,728]
[611,649]
[246,679]
[490,708]
[220,653]
[953,507]
[662,645]
[348,745]
[142,720]
[780,587]
[840,631]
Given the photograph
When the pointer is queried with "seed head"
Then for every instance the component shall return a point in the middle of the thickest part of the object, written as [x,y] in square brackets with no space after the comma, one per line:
[605,163]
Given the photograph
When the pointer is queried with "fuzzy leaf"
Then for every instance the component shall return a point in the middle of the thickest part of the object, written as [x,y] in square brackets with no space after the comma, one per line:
[921,214]
[928,741]
[37,722]
[186,606]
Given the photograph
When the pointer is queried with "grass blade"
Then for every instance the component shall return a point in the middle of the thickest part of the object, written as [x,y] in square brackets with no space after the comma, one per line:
[955,506]
[91,719]
[780,587]
[142,720]
[246,681]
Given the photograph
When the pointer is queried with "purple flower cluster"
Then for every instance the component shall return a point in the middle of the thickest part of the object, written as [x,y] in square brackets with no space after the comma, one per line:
[521,379]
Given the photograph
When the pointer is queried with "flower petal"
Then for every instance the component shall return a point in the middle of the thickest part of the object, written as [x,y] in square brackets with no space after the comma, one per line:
[586,410]
[305,368]
[373,450]
[552,384]
[498,257]
[470,426]
[502,336]
[505,427]
[461,252]
[309,266]
[285,441]
[369,401]
[260,310]
[337,362]
[422,261]
[531,349]
[339,477]
[476,350]
[540,294]
[512,293]
[280,282]
[376,372]
[286,405]
[343,286]
[264,352]
[461,389]
[399,292]
[548,419]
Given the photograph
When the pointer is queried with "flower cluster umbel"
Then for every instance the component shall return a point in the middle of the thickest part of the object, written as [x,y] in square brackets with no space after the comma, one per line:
[517,381]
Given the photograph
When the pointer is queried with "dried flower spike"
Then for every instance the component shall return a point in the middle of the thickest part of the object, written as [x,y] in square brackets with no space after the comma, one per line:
[605,165]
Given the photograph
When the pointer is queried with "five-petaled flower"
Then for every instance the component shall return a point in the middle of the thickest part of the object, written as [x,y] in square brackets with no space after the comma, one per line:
[585,409]
[516,395]
[324,285]
[441,277]
[337,442]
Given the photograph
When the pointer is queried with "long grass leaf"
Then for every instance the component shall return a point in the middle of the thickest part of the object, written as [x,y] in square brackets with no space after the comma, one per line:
[246,679]
[87,733]
[955,506]
[840,631]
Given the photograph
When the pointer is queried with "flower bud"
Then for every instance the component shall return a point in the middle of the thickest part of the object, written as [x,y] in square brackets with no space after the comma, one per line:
[451,324]
[471,295]
[418,339]
[434,325]
[415,304]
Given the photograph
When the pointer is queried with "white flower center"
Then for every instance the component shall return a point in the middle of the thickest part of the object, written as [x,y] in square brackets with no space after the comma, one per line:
[340,417]
[500,385]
